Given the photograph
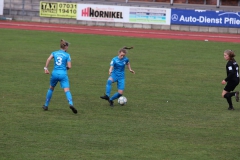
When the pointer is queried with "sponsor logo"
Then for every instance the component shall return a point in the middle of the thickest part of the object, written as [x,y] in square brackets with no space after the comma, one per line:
[174,17]
[229,13]
[206,17]
[89,12]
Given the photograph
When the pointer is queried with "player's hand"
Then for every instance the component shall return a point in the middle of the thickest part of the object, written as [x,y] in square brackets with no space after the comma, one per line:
[132,71]
[46,71]
[224,82]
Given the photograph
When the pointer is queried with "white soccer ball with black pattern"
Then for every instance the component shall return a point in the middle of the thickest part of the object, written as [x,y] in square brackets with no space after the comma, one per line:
[122,100]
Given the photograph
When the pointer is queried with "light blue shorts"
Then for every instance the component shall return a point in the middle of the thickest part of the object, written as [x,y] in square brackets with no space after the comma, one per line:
[120,81]
[62,78]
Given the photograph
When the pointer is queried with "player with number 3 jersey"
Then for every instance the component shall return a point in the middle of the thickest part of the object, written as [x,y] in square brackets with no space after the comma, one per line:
[232,79]
[62,63]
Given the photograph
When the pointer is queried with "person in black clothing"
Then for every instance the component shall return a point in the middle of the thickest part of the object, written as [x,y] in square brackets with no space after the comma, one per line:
[232,79]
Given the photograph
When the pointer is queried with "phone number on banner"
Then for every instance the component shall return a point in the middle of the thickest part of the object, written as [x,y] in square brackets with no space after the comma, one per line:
[57,9]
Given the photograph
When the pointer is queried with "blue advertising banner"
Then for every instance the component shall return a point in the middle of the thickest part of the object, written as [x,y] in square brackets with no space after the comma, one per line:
[205,18]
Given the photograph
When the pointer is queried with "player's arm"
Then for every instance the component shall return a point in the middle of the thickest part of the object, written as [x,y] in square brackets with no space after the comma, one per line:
[231,72]
[47,63]
[69,65]
[110,70]
[129,67]
[111,66]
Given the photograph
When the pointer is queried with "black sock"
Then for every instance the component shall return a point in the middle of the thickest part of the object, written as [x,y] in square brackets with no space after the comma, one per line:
[232,93]
[229,99]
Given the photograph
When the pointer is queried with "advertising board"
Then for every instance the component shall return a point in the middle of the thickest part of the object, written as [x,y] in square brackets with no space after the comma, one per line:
[58,9]
[107,13]
[205,18]
[1,6]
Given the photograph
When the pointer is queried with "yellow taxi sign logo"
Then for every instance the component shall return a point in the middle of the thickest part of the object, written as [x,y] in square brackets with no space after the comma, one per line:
[48,6]
[58,10]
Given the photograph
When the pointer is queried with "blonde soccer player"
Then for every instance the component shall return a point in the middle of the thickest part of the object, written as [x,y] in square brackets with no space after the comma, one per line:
[62,63]
[117,74]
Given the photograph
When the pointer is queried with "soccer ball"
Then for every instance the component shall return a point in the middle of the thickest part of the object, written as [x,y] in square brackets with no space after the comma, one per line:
[122,100]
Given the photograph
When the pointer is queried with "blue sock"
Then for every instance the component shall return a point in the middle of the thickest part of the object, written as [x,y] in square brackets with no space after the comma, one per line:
[48,97]
[115,96]
[69,98]
[108,88]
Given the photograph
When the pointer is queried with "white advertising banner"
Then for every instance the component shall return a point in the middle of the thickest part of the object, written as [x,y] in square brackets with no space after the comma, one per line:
[107,13]
[1,7]
[91,12]
[150,15]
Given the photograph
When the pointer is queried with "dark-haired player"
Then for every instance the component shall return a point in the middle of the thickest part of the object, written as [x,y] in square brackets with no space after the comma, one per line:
[62,62]
[232,79]
[117,74]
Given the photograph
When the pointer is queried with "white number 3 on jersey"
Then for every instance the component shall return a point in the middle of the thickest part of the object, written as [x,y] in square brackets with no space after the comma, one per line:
[59,61]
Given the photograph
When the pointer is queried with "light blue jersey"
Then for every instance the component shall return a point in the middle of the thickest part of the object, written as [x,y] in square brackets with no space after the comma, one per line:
[59,73]
[118,73]
[119,66]
[60,61]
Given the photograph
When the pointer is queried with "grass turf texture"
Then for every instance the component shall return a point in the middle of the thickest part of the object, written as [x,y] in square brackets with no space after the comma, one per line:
[193,124]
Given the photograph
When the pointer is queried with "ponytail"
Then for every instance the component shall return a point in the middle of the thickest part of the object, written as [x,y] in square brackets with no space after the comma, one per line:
[127,47]
[124,49]
[63,43]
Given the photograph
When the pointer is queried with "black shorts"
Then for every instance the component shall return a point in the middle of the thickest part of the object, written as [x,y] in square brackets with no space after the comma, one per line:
[231,86]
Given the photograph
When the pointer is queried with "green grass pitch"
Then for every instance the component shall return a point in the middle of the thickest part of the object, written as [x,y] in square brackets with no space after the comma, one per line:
[174,110]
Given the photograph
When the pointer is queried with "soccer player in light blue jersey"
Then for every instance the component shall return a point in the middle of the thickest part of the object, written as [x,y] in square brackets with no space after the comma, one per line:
[62,63]
[117,74]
